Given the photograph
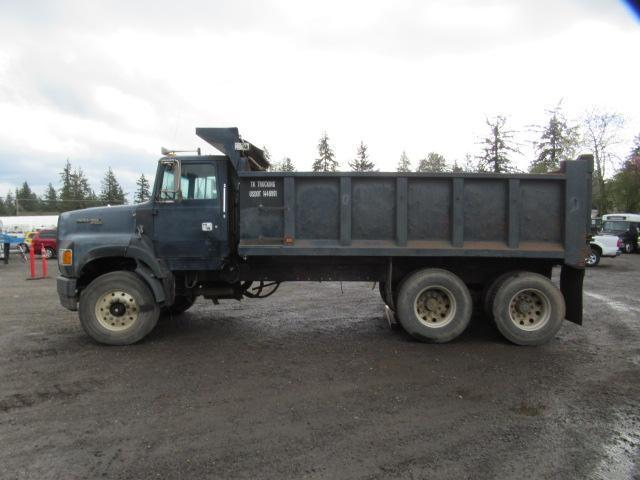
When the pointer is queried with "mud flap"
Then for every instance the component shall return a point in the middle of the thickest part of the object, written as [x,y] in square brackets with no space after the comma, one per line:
[571,280]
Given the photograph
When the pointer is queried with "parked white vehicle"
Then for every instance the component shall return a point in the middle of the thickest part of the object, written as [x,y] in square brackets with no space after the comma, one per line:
[28,223]
[603,246]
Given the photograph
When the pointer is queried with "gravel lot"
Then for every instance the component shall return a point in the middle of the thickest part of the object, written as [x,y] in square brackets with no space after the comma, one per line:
[312,383]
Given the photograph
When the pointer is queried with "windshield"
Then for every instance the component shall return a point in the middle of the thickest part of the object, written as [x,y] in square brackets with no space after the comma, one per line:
[615,226]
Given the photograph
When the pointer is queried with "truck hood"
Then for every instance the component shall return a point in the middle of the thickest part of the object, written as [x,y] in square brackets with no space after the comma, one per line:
[120,219]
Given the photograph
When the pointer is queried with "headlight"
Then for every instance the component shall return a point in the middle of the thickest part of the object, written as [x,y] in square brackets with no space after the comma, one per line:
[66,257]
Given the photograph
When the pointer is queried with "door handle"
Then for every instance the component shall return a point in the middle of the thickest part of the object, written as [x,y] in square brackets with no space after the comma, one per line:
[224,199]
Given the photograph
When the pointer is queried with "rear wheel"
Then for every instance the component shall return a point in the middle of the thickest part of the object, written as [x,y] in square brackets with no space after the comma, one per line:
[434,305]
[528,309]
[593,258]
[181,304]
[628,247]
[118,308]
[49,252]
[490,293]
[382,286]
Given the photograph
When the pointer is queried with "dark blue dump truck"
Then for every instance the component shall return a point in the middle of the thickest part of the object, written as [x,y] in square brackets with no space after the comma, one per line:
[439,245]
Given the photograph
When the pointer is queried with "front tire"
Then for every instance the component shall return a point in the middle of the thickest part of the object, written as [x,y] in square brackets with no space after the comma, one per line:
[528,309]
[118,308]
[434,305]
[593,258]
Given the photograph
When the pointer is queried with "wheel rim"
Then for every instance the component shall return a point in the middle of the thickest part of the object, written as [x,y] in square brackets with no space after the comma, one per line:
[591,259]
[530,309]
[48,253]
[116,310]
[435,307]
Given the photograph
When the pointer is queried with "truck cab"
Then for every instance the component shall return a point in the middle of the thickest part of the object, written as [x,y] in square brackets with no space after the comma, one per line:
[181,237]
[189,225]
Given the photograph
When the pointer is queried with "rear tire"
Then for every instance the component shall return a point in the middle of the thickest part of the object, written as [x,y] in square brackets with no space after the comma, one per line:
[49,252]
[118,308]
[528,309]
[490,293]
[434,305]
[593,258]
[181,304]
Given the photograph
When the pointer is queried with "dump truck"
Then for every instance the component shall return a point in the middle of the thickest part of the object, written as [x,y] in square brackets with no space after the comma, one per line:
[440,245]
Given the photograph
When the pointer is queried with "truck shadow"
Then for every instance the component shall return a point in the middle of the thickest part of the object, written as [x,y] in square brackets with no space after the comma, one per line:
[216,326]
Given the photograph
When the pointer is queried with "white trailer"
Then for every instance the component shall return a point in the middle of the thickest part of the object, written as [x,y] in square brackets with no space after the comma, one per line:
[23,223]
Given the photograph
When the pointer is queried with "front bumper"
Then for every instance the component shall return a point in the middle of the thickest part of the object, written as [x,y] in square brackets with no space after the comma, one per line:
[67,292]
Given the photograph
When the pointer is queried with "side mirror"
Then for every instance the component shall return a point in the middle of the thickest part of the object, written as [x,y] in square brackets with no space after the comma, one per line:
[171,165]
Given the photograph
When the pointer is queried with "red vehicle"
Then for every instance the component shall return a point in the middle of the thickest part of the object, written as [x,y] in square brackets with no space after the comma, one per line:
[45,239]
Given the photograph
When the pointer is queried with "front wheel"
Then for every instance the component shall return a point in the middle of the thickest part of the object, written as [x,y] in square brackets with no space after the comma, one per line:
[593,258]
[118,308]
[434,305]
[528,309]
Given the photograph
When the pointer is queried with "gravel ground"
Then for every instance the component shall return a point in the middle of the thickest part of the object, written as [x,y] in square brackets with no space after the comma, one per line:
[312,383]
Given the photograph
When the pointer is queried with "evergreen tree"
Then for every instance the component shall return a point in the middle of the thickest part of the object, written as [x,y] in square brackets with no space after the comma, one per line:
[111,190]
[287,165]
[26,200]
[50,199]
[497,147]
[558,142]
[273,166]
[66,177]
[143,192]
[326,161]
[404,164]
[362,163]
[3,210]
[82,196]
[434,162]
[75,192]
[456,168]
[9,204]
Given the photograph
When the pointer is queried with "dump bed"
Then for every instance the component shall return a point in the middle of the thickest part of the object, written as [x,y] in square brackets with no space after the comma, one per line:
[411,214]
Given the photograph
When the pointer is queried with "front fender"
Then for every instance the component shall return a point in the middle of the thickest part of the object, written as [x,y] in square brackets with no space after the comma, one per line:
[154,271]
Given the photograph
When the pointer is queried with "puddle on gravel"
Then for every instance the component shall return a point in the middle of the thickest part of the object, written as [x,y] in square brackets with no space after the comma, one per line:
[622,452]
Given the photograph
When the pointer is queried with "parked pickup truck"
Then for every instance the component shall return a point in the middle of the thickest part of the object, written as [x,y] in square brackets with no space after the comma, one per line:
[603,246]
[222,227]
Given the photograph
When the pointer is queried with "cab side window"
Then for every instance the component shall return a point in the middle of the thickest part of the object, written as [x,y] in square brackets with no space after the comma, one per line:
[197,182]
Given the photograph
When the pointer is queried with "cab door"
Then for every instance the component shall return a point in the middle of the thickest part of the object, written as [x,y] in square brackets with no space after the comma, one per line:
[190,219]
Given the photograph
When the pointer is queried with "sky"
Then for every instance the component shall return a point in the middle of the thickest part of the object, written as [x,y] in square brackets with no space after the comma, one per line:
[110,83]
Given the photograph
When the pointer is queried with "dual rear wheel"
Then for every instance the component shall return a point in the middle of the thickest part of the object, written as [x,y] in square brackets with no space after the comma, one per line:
[435,305]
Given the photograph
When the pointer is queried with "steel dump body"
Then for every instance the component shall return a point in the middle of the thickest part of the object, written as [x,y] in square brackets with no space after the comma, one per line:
[409,214]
